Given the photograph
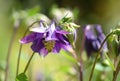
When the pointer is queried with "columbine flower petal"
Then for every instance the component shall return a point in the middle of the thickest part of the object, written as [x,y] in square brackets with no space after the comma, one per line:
[93,40]
[28,38]
[57,47]
[43,52]
[40,29]
[51,32]
[62,39]
[49,40]
[37,45]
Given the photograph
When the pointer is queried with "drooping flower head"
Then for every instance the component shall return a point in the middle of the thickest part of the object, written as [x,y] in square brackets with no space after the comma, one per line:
[47,38]
[93,39]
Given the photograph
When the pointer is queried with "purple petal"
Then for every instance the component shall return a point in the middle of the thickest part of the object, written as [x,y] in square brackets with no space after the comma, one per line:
[57,47]
[52,27]
[66,47]
[62,39]
[39,35]
[51,32]
[37,45]
[50,36]
[98,28]
[96,45]
[89,32]
[29,38]
[101,37]
[43,52]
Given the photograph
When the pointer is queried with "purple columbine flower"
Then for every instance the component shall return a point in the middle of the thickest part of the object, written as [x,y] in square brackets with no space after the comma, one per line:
[93,39]
[47,39]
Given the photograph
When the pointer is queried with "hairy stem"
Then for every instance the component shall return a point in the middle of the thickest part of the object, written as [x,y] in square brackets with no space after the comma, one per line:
[91,74]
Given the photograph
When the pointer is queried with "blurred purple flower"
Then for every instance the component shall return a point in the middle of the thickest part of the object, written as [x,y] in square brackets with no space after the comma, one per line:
[47,39]
[93,39]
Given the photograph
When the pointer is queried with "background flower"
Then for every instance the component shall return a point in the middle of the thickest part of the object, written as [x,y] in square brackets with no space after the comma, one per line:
[93,39]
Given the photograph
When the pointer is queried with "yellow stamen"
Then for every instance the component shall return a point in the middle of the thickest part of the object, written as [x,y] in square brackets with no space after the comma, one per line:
[49,45]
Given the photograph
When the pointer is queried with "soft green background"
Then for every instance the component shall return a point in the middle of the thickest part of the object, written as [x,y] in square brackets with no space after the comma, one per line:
[54,67]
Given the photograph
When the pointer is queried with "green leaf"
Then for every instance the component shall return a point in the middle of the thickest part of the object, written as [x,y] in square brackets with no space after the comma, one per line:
[21,77]
[111,64]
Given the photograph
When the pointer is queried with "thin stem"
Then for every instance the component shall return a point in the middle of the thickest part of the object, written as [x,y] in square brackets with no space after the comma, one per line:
[9,53]
[20,49]
[116,72]
[29,62]
[91,74]
[18,61]
[81,63]
[81,72]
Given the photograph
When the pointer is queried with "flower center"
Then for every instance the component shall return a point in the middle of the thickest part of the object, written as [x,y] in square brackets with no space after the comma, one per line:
[49,45]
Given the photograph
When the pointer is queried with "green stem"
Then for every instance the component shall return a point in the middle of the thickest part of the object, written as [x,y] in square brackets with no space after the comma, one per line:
[29,62]
[9,53]
[81,62]
[20,49]
[116,72]
[91,74]
[18,61]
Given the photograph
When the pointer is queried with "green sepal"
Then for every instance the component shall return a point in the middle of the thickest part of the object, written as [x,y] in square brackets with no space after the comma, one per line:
[70,27]
[67,24]
[115,46]
[71,39]
[66,20]
[116,31]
